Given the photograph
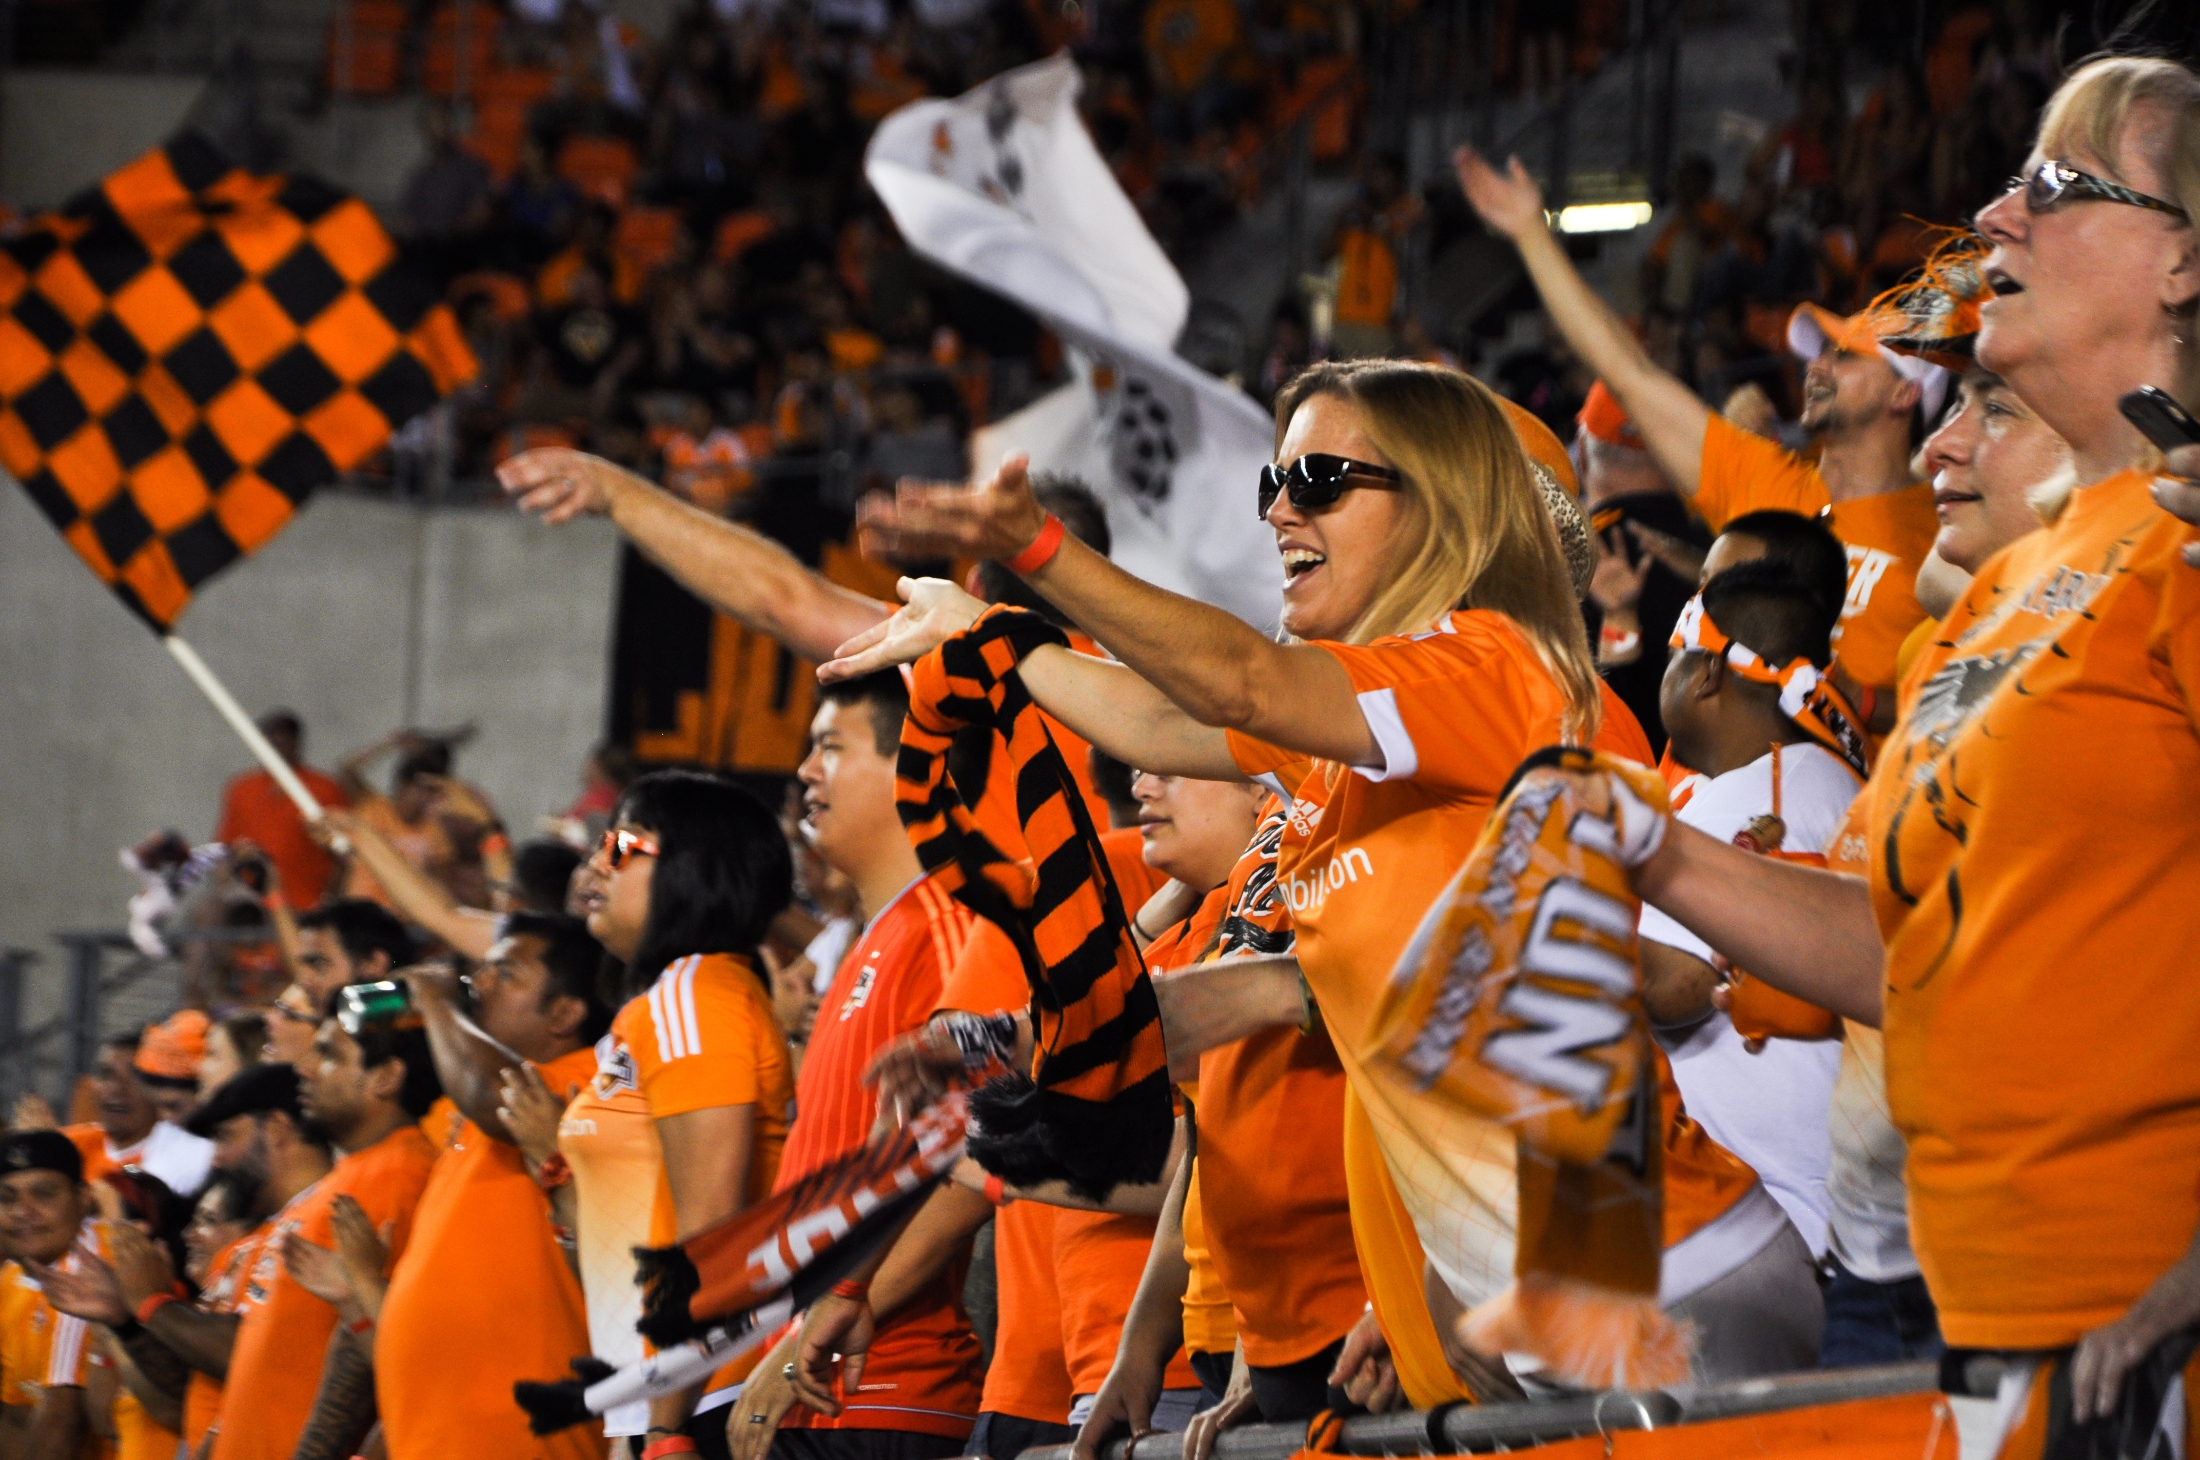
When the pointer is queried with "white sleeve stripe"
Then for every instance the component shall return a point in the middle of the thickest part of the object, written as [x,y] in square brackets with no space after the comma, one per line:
[1274,783]
[688,1020]
[1401,758]
[657,1021]
[65,1361]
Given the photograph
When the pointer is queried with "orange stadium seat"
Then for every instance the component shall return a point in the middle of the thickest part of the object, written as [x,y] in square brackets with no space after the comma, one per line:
[375,63]
[441,52]
[601,167]
[503,96]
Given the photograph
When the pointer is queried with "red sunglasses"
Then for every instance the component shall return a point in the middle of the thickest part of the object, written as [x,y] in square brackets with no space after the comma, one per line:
[619,845]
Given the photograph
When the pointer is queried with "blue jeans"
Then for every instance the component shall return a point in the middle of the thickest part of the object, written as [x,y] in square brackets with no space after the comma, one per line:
[1877,1323]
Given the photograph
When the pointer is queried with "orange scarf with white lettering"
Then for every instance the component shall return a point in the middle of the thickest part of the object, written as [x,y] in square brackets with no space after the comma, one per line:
[1521,999]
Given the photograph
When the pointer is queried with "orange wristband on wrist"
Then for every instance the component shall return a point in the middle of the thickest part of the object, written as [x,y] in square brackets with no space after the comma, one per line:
[670,1445]
[153,1305]
[1042,549]
[996,1191]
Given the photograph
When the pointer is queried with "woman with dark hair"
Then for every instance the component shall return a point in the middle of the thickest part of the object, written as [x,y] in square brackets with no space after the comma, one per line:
[683,1125]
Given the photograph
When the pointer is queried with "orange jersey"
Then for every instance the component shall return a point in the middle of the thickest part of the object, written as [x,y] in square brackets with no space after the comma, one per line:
[703,1037]
[283,1332]
[607,1137]
[924,1369]
[256,810]
[224,1293]
[986,979]
[38,1346]
[1210,1319]
[2032,847]
[1364,853]
[1098,1259]
[482,1299]
[138,1436]
[1887,537]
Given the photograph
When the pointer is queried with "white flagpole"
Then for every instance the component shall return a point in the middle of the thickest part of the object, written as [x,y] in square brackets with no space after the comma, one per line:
[226,705]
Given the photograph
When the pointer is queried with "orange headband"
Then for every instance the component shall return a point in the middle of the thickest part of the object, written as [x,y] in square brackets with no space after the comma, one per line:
[1807,695]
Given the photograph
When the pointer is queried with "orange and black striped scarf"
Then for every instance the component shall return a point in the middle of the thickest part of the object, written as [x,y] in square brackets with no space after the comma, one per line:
[1096,1110]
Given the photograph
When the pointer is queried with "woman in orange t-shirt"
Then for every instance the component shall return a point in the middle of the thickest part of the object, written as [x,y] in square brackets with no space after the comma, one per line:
[2031,834]
[1437,641]
[693,870]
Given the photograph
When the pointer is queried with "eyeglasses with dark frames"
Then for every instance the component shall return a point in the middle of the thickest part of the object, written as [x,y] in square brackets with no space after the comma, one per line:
[1318,479]
[2052,184]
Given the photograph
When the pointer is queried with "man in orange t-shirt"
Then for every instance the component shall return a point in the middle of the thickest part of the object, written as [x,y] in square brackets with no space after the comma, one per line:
[1866,406]
[257,810]
[483,1297]
[293,1374]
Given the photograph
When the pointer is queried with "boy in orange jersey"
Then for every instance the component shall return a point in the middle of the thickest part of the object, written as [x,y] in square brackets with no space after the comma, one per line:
[45,1355]
[367,1091]
[1867,407]
[483,1297]
[919,1396]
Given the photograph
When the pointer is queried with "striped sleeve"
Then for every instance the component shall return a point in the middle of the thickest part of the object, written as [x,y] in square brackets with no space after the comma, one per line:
[707,1014]
[69,1357]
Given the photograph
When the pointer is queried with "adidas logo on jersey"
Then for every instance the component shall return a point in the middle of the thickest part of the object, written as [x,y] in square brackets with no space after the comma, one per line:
[1304,816]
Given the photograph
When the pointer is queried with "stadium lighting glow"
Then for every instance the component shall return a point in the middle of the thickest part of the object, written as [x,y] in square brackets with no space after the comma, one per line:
[1603,217]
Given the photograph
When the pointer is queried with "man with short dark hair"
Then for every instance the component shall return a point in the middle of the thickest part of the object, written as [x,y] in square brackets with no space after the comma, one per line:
[45,1210]
[484,1296]
[920,1393]
[347,942]
[130,1131]
[257,810]
[299,1386]
[1742,652]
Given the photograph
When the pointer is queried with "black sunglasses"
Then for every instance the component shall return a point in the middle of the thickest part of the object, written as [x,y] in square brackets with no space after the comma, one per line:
[2050,185]
[1319,479]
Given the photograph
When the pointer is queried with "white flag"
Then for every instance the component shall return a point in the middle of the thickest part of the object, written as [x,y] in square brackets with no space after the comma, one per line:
[1003,186]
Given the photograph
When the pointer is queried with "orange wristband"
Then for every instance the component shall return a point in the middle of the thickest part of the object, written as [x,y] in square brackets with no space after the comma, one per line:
[996,1191]
[153,1305]
[853,1289]
[670,1445]
[1042,549]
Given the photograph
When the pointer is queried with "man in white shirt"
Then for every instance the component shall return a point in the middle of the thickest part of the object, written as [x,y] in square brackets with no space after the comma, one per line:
[130,1132]
[1747,651]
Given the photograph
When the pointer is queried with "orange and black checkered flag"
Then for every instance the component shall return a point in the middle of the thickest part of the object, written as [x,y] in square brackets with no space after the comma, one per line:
[188,350]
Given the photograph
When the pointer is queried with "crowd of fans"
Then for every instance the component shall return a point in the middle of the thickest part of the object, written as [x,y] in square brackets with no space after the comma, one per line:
[1890,707]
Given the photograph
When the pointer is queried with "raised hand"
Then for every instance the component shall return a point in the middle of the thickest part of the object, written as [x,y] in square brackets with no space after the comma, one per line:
[935,611]
[530,1114]
[996,518]
[558,484]
[90,1292]
[913,1072]
[364,1251]
[1509,201]
[141,1265]
[1617,585]
[318,1270]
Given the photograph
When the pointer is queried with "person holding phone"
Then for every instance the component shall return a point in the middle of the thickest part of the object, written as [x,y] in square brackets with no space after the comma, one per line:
[2030,833]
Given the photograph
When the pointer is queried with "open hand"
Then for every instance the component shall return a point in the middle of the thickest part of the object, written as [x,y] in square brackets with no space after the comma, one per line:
[364,1251]
[912,1072]
[31,1112]
[996,518]
[936,610]
[318,1270]
[1509,201]
[558,484]
[1616,585]
[142,1266]
[90,1292]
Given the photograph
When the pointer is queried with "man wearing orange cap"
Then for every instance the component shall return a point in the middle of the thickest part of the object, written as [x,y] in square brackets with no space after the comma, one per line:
[130,1130]
[167,1063]
[1867,406]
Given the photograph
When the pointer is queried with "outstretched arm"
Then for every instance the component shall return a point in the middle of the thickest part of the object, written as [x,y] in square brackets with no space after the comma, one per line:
[1217,668]
[1804,930]
[468,1061]
[468,931]
[739,572]
[1667,412]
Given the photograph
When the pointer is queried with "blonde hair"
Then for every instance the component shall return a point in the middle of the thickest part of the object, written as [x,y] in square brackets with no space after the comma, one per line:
[1475,531]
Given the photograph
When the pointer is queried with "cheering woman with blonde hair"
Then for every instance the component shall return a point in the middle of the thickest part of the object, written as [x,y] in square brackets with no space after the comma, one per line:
[1435,640]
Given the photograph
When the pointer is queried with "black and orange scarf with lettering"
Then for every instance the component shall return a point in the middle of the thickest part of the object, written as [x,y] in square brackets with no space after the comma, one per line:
[1096,1109]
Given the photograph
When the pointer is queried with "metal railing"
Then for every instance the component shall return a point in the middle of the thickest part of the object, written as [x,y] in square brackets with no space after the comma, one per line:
[1493,1428]
[49,1057]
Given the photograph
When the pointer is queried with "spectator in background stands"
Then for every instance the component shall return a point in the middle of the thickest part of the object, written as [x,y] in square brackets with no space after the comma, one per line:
[443,827]
[1700,225]
[256,810]
[449,197]
[233,1045]
[129,1130]
[168,1061]
[353,941]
